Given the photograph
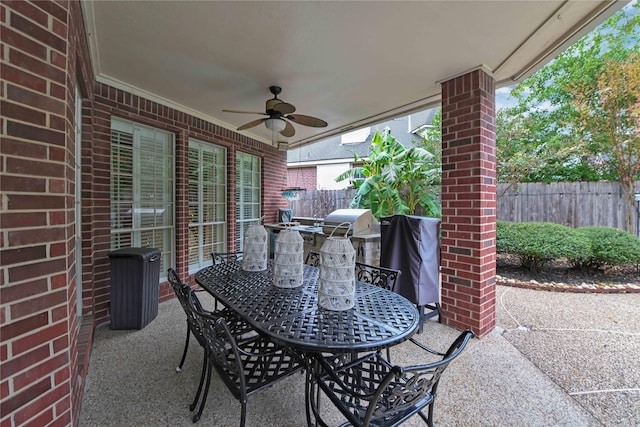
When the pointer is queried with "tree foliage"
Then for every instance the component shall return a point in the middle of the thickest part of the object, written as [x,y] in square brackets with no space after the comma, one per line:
[576,119]
[395,179]
[543,127]
[610,118]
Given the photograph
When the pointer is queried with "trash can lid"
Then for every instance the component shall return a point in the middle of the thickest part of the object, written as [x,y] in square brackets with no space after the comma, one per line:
[134,252]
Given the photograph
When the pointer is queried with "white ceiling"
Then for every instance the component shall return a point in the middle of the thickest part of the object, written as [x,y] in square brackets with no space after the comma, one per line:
[350,63]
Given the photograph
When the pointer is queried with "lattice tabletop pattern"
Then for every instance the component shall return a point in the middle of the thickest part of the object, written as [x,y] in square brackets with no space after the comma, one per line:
[291,316]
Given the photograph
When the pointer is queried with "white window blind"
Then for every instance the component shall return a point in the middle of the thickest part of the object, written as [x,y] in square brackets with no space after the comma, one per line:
[142,189]
[248,193]
[207,202]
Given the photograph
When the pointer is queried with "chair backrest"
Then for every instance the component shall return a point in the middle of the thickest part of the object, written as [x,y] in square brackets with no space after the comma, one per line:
[313,258]
[222,257]
[371,391]
[407,386]
[183,294]
[221,346]
[382,277]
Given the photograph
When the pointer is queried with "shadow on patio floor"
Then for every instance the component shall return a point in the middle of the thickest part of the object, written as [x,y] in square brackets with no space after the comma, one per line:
[553,359]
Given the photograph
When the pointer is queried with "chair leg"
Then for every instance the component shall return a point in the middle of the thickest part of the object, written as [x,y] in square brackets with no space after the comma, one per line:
[243,414]
[430,418]
[197,416]
[184,353]
[202,376]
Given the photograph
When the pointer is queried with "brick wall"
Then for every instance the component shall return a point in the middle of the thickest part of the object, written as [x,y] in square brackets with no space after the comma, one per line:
[305,177]
[468,202]
[43,55]
[46,343]
[108,102]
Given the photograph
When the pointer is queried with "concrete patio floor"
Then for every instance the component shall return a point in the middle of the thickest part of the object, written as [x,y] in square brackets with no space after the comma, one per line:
[556,359]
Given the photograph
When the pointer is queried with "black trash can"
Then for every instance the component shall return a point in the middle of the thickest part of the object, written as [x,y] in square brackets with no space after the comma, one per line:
[135,277]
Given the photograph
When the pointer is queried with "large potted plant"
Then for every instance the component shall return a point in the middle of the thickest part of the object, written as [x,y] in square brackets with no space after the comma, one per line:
[395,179]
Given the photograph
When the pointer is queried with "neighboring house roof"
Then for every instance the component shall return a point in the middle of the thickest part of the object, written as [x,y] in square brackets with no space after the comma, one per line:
[332,149]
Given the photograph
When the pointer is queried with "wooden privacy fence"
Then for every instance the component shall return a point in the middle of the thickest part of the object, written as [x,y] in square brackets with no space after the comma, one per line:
[575,204]
[320,203]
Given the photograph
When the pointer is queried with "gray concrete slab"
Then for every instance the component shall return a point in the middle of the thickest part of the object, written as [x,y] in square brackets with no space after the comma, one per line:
[550,361]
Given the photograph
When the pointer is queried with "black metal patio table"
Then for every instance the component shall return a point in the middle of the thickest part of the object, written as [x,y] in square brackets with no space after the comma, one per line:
[292,317]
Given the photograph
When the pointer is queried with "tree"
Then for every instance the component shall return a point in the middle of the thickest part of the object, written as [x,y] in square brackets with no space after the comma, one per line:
[527,151]
[610,119]
[432,134]
[395,179]
[556,131]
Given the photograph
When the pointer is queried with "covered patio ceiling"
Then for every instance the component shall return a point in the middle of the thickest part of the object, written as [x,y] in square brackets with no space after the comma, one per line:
[350,63]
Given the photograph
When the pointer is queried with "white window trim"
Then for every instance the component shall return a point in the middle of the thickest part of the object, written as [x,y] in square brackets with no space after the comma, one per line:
[242,223]
[205,258]
[133,128]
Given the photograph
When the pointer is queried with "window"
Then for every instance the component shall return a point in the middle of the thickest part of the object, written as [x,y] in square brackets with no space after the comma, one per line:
[248,194]
[142,201]
[207,202]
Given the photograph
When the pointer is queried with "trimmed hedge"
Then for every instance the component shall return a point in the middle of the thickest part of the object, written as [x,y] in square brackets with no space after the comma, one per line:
[608,247]
[536,243]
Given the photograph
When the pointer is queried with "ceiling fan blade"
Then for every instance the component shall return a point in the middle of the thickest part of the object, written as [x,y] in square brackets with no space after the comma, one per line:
[283,108]
[252,124]
[243,112]
[307,120]
[288,130]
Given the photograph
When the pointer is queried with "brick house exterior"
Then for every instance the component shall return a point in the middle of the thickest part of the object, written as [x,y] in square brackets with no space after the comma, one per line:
[45,342]
[304,177]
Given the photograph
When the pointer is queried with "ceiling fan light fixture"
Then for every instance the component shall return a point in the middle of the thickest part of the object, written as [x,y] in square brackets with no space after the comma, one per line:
[276,125]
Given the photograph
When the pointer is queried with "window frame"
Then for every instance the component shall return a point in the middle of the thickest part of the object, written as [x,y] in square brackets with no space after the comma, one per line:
[163,144]
[243,222]
[204,259]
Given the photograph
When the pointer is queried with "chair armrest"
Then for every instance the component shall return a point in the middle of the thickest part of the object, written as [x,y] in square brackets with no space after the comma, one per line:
[425,348]
[332,374]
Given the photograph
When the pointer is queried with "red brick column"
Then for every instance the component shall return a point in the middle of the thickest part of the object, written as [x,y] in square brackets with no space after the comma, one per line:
[469,202]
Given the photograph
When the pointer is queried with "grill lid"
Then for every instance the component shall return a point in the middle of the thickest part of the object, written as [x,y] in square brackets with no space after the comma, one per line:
[362,222]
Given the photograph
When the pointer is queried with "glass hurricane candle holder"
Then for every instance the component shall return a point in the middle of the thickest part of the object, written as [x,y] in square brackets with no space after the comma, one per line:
[288,262]
[337,283]
[255,248]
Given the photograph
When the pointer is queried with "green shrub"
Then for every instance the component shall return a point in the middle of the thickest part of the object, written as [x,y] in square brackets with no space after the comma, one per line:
[536,243]
[506,237]
[608,247]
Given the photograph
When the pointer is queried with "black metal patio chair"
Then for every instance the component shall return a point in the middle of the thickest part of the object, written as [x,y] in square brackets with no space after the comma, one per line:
[181,290]
[381,277]
[246,366]
[374,275]
[222,257]
[313,259]
[370,391]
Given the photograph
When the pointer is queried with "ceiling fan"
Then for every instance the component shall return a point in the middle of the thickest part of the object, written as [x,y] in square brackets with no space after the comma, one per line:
[279,116]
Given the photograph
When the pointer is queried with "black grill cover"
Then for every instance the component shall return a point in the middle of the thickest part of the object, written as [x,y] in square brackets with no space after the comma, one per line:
[411,244]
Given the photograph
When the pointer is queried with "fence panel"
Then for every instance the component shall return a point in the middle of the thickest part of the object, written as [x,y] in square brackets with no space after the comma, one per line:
[320,203]
[575,204]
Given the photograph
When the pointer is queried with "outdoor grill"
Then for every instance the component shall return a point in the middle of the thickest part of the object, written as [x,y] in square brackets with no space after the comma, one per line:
[361,222]
[359,225]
